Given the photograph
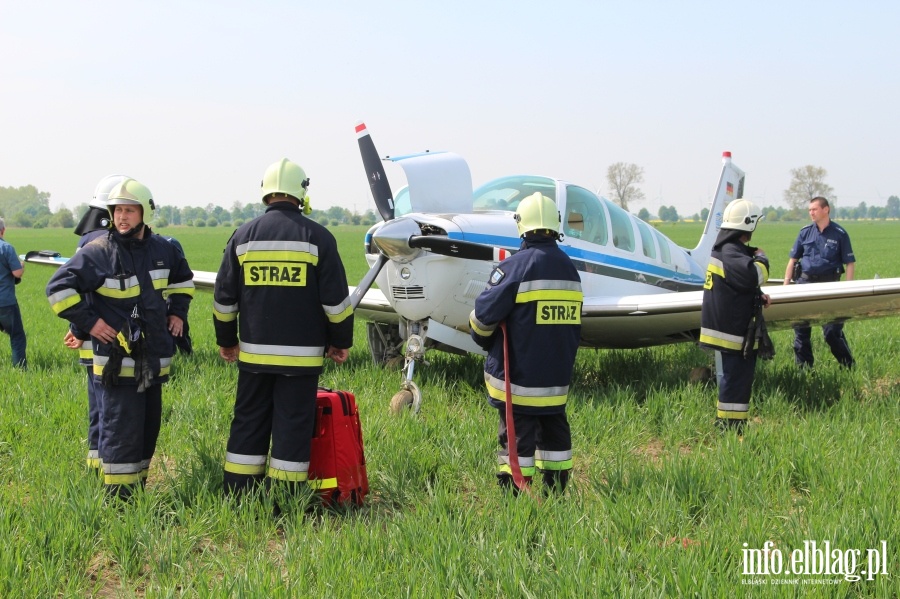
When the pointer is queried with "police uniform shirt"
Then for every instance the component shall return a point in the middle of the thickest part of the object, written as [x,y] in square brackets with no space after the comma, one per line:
[823,252]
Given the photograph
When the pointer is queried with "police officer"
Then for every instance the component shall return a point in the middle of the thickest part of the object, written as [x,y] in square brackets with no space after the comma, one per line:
[11,270]
[282,286]
[113,288]
[94,223]
[537,292]
[824,252]
[730,297]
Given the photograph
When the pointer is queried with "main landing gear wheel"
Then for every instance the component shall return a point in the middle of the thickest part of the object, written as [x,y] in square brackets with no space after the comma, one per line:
[408,397]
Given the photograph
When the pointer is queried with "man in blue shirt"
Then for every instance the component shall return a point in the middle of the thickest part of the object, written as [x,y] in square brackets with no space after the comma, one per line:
[824,252]
[11,270]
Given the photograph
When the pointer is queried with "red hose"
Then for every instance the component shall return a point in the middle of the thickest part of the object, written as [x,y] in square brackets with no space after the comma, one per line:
[518,479]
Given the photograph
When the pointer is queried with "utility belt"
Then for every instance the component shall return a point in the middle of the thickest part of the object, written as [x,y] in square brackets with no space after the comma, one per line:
[829,277]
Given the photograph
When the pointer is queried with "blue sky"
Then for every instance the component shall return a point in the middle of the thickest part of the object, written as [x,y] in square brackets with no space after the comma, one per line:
[196,99]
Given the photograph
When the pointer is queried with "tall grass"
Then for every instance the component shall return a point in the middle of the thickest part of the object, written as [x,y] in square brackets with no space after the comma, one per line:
[661,504]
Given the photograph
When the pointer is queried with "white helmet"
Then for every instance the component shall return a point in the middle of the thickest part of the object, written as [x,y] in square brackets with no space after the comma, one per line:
[106,185]
[97,216]
[741,215]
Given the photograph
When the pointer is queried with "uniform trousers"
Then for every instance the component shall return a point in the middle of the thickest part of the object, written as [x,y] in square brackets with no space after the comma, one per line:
[276,407]
[735,386]
[129,427]
[95,392]
[11,324]
[834,337]
[543,443]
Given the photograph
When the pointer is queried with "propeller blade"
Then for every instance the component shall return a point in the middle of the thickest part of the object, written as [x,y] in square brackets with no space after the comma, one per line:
[367,281]
[438,244]
[378,183]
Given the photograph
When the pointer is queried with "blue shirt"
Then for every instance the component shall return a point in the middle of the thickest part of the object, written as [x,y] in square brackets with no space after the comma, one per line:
[9,262]
[823,252]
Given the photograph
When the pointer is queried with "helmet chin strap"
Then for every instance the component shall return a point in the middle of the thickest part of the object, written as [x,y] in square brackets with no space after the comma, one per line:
[132,231]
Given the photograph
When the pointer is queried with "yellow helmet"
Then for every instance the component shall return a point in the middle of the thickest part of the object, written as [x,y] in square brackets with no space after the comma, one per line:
[537,212]
[741,215]
[131,191]
[285,177]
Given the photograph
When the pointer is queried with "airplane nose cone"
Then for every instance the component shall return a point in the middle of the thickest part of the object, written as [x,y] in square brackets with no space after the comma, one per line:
[392,239]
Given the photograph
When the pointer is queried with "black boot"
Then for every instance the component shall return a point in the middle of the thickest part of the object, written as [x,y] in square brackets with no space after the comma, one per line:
[555,481]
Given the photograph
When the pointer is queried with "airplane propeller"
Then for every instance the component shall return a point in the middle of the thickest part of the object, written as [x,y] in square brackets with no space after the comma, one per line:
[378,182]
[401,239]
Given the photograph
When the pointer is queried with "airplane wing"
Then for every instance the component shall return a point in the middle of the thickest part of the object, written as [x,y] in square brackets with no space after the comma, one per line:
[373,306]
[658,319]
[634,321]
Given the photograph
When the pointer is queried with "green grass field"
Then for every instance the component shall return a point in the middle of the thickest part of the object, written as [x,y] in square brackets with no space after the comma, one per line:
[661,505]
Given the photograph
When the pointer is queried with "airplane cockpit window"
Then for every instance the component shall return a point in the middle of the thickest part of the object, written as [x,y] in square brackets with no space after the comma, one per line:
[585,217]
[402,205]
[664,253]
[647,243]
[506,193]
[623,232]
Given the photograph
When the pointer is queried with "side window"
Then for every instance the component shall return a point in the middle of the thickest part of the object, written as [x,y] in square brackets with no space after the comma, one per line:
[664,253]
[647,243]
[585,216]
[623,232]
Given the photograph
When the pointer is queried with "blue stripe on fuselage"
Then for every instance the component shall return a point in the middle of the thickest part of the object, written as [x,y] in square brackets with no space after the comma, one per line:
[577,253]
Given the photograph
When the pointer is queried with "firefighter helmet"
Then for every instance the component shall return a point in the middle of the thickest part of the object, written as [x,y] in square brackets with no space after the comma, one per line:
[741,215]
[106,185]
[131,191]
[286,178]
[537,212]
[96,217]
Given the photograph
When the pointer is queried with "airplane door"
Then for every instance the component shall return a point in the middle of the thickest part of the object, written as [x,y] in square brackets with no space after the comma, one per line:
[585,217]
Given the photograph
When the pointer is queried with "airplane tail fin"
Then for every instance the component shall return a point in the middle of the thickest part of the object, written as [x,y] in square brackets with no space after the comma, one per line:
[731,187]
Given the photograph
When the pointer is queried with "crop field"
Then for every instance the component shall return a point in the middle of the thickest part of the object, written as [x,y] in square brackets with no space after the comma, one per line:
[662,504]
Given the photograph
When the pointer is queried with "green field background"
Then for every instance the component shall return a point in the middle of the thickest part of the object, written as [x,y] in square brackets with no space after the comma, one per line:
[661,504]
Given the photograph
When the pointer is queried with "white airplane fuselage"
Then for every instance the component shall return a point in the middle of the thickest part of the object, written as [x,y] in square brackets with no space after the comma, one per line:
[617,254]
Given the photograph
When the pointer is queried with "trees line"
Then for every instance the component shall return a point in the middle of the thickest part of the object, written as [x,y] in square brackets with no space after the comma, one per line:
[27,207]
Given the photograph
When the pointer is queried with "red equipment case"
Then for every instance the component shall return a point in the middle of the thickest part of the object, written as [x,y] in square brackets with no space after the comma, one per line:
[337,464]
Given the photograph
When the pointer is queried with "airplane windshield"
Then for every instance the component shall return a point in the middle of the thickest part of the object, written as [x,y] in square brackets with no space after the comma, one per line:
[506,193]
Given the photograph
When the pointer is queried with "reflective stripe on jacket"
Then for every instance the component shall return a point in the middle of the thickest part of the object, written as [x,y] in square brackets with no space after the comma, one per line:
[123,279]
[537,291]
[282,285]
[733,278]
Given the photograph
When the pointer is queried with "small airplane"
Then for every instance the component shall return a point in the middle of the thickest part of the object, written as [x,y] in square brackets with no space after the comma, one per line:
[439,240]
[432,254]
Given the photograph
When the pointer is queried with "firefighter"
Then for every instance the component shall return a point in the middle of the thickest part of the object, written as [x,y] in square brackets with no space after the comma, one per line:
[730,298]
[537,292]
[94,223]
[282,286]
[113,288]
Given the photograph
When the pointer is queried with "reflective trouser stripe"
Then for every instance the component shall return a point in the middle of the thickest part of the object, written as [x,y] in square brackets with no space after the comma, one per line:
[733,411]
[553,460]
[289,471]
[250,465]
[526,464]
[322,483]
[122,474]
[93,459]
